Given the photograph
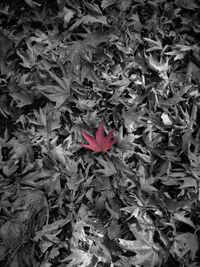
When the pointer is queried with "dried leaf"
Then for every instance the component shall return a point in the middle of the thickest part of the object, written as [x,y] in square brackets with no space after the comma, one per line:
[89,19]
[184,243]
[108,167]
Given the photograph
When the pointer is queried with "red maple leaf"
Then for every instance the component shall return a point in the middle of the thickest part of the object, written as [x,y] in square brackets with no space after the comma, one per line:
[102,142]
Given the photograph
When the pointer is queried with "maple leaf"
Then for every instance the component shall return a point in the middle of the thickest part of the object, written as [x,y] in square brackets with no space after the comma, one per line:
[102,142]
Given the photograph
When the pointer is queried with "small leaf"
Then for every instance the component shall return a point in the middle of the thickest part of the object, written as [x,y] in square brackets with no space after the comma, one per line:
[89,19]
[180,216]
[114,230]
[166,119]
[155,45]
[107,3]
[59,154]
[31,3]
[68,15]
[22,98]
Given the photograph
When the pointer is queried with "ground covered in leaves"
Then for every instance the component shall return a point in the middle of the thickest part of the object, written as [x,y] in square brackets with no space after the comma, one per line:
[70,68]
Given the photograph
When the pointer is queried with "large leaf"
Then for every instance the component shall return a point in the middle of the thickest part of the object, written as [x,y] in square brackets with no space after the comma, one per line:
[183,244]
[148,252]
[56,93]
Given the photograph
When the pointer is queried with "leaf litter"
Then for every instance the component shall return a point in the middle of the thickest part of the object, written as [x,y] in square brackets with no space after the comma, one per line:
[73,69]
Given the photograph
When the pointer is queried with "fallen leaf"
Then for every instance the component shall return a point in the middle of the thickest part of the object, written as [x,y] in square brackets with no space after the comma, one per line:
[181,216]
[89,19]
[102,142]
[108,167]
[185,243]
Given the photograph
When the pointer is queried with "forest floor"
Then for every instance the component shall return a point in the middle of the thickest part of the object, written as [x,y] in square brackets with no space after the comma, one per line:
[99,133]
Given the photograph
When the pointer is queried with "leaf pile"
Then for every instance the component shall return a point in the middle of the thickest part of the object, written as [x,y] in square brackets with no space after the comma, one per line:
[66,66]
